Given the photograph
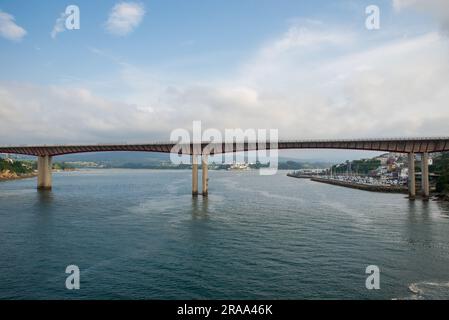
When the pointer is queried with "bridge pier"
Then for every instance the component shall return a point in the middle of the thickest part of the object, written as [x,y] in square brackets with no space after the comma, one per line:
[425,175]
[44,172]
[411,176]
[204,170]
[194,175]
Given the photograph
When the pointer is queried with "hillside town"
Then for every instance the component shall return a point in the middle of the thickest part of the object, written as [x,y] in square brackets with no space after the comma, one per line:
[389,169]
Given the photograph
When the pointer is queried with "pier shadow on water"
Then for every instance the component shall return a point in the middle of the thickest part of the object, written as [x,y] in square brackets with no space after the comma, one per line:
[45,198]
[200,208]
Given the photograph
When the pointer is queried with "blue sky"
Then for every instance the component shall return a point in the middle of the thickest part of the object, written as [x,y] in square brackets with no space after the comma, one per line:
[191,37]
[308,68]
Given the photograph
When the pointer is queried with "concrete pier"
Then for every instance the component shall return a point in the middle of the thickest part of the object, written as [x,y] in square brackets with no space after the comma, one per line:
[411,176]
[44,172]
[425,175]
[205,175]
[194,175]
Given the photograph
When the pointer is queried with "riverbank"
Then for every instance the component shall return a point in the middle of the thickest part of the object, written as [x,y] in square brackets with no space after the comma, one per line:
[442,197]
[8,175]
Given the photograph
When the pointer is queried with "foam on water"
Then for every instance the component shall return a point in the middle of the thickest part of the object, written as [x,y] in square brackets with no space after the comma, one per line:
[428,290]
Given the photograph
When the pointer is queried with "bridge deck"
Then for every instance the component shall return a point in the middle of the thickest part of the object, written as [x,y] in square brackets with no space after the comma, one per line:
[402,145]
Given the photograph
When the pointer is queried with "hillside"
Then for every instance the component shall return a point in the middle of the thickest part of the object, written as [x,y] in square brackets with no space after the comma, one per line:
[441,166]
[13,169]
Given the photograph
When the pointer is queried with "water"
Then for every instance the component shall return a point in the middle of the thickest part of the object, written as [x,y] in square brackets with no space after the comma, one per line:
[138,234]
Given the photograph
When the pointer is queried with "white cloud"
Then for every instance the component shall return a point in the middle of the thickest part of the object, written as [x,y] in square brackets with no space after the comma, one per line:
[307,37]
[124,18]
[58,114]
[436,8]
[9,29]
[315,83]
[328,88]
[398,88]
[59,25]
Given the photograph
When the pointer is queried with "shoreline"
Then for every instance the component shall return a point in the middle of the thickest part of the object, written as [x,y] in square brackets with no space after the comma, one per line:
[347,184]
[371,188]
[14,176]
[365,187]
[11,176]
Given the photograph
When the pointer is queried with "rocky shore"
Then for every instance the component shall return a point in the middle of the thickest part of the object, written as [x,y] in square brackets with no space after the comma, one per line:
[8,175]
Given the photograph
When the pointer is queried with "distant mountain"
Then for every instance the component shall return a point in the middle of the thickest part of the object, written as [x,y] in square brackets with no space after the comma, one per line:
[319,162]
[117,158]
[151,159]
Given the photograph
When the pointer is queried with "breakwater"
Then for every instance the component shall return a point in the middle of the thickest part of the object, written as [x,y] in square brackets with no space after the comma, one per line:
[366,187]
[348,184]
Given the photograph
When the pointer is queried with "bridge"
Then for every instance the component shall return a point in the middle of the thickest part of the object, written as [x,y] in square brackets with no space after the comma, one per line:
[409,146]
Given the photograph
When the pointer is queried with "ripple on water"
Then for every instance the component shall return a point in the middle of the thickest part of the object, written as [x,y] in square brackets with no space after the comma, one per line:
[140,234]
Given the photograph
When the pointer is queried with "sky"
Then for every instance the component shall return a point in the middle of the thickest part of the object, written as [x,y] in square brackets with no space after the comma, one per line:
[136,70]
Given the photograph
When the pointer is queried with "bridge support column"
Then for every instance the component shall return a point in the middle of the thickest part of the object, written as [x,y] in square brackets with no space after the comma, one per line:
[425,175]
[205,174]
[194,175]
[411,176]
[44,172]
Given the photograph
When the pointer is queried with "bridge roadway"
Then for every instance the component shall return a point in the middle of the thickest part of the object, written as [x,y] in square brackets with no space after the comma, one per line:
[401,145]
[409,146]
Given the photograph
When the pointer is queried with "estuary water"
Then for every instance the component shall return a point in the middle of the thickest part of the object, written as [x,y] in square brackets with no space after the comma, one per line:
[138,234]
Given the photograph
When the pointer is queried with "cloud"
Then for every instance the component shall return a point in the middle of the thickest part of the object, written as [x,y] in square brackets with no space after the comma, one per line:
[59,114]
[436,8]
[312,81]
[124,18]
[59,25]
[9,29]
[333,89]
[307,36]
[316,83]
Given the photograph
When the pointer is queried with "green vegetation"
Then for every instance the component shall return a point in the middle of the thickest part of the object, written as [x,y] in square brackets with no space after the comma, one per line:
[364,166]
[18,167]
[62,166]
[21,167]
[441,167]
